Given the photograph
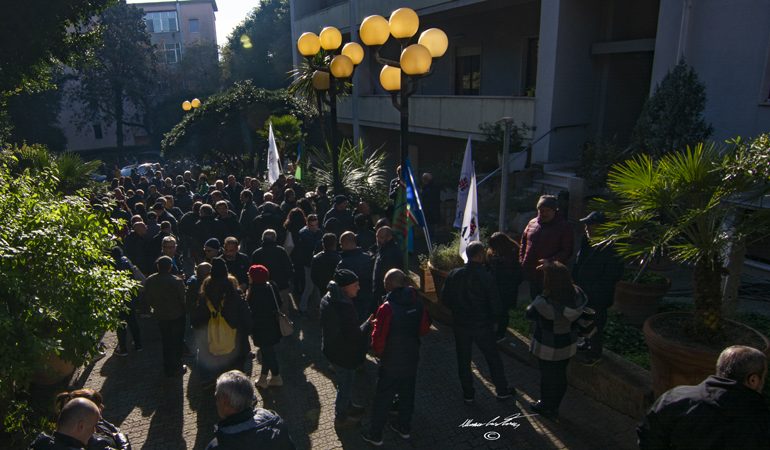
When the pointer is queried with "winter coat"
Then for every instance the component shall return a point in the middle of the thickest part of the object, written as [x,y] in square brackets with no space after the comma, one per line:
[471,294]
[239,267]
[400,321]
[553,240]
[275,258]
[596,271]
[56,441]
[718,413]
[507,278]
[269,218]
[108,437]
[228,226]
[388,257]
[262,300]
[344,216]
[187,225]
[252,429]
[343,339]
[322,268]
[165,294]
[305,246]
[205,229]
[360,263]
[554,337]
[138,250]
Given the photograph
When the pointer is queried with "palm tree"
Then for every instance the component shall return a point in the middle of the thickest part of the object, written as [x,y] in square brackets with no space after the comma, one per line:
[681,206]
[363,177]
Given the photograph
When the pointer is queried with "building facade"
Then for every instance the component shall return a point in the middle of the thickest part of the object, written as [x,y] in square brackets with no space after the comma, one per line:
[568,70]
[173,27]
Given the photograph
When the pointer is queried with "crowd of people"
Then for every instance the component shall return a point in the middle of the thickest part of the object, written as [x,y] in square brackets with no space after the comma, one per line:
[225,262]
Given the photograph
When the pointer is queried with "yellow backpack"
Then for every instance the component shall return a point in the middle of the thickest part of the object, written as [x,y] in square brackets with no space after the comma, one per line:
[221,335]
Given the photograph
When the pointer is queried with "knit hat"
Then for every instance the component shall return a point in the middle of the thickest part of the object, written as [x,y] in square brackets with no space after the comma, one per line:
[258,274]
[213,243]
[218,268]
[344,277]
[548,201]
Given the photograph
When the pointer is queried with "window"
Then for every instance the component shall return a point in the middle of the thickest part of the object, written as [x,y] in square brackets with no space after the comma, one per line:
[194,25]
[468,71]
[161,21]
[173,52]
[97,130]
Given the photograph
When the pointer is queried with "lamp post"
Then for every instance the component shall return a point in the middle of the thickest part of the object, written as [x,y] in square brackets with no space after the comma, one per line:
[336,67]
[400,77]
[187,105]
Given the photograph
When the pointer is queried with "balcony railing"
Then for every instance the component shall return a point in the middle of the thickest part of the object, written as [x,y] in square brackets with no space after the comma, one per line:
[450,115]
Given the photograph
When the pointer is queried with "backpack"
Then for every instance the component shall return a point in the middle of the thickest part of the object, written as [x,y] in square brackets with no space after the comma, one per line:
[221,335]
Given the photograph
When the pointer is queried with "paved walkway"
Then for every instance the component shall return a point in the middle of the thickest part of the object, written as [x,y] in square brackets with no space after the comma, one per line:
[168,414]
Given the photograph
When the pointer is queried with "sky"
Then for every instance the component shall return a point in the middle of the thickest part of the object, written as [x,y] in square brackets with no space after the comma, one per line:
[230,14]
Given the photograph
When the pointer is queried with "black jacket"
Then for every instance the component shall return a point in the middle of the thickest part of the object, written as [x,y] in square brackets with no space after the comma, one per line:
[322,269]
[596,271]
[471,293]
[239,267]
[275,258]
[716,414]
[343,340]
[402,347]
[264,321]
[508,277]
[205,229]
[228,226]
[57,441]
[248,430]
[305,246]
[388,257]
[360,263]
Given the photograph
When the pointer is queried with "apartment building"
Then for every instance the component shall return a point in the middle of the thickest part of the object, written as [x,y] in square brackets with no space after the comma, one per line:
[173,26]
[569,69]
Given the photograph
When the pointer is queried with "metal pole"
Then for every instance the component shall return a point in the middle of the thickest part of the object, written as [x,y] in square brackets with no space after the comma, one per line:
[504,173]
[334,135]
[404,110]
[353,17]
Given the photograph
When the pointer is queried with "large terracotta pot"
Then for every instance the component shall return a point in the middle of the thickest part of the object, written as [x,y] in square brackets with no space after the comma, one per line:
[53,370]
[676,363]
[637,301]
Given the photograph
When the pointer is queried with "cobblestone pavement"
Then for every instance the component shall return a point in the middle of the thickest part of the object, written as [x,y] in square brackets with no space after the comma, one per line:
[161,413]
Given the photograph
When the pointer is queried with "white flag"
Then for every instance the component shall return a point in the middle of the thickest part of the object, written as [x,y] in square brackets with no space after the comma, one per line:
[463,184]
[273,160]
[470,229]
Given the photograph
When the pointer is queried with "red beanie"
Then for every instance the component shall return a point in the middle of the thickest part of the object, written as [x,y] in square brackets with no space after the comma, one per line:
[258,274]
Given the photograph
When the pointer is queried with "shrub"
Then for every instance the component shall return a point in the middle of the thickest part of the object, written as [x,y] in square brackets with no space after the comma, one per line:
[58,289]
[672,118]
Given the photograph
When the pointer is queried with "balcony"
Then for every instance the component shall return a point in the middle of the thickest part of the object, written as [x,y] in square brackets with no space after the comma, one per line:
[450,115]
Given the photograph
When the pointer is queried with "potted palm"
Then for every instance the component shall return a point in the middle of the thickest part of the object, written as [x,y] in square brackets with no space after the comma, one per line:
[638,294]
[683,206]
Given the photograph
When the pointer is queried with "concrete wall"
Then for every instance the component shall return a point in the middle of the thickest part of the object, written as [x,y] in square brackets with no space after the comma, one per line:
[728,44]
[566,77]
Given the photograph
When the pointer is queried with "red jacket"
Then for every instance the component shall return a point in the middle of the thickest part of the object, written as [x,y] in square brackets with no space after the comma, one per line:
[397,341]
[553,240]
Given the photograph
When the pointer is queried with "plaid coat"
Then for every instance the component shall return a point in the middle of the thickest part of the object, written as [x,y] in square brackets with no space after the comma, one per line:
[554,337]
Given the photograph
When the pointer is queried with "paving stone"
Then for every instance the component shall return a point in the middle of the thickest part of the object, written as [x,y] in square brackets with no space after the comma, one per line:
[161,413]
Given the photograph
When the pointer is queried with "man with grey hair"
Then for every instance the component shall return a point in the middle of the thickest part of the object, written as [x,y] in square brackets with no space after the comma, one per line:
[726,410]
[277,261]
[470,292]
[74,427]
[242,424]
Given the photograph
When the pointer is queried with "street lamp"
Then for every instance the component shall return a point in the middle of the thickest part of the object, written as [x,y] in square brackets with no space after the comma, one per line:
[400,77]
[336,67]
[187,105]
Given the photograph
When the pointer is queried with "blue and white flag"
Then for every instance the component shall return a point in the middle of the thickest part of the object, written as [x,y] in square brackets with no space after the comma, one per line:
[415,205]
[463,184]
[470,229]
[273,159]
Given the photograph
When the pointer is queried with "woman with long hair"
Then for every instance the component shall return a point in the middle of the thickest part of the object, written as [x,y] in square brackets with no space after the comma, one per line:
[554,339]
[218,349]
[503,262]
[265,302]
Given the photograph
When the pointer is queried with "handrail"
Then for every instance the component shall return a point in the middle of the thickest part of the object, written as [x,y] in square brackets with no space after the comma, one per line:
[529,148]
